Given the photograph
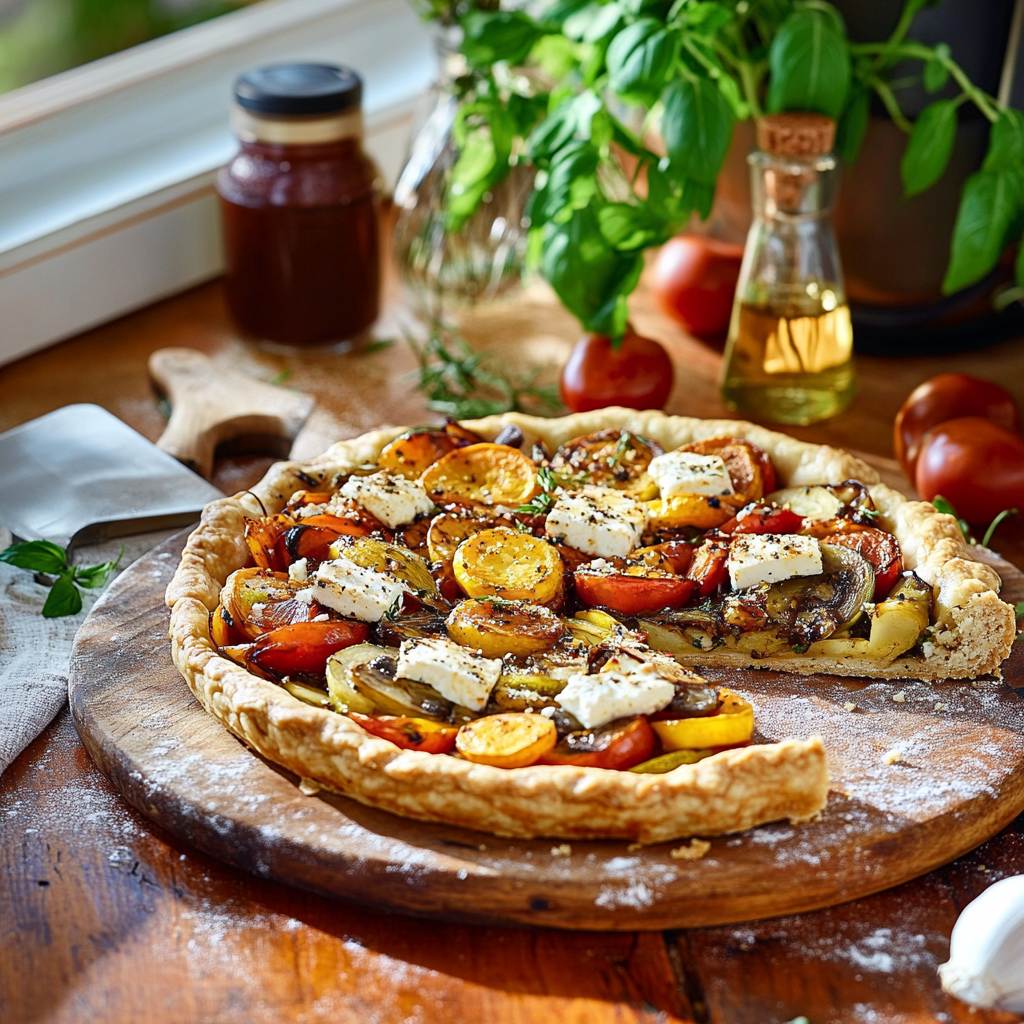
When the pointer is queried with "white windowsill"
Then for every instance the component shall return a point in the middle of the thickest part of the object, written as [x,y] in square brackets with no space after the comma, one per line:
[106,171]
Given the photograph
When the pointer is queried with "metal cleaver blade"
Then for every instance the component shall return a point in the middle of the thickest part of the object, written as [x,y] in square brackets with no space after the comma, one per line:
[79,475]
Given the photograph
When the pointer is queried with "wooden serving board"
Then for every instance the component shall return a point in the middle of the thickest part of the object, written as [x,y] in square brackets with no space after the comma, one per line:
[959,780]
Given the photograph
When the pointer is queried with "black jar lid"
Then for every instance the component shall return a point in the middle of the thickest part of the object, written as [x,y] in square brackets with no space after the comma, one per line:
[298,89]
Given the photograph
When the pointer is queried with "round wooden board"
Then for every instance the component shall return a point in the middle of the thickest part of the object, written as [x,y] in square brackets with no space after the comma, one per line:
[959,780]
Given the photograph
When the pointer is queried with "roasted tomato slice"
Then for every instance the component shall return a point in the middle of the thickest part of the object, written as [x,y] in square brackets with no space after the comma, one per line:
[672,556]
[482,474]
[496,628]
[608,458]
[410,454]
[750,468]
[410,733]
[634,590]
[619,745]
[880,549]
[223,630]
[710,566]
[764,519]
[303,648]
[263,535]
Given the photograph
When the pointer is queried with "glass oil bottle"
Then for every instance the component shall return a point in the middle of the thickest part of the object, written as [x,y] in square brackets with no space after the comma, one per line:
[789,355]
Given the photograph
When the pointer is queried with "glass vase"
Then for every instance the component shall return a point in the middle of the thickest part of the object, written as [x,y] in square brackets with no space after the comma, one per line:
[442,269]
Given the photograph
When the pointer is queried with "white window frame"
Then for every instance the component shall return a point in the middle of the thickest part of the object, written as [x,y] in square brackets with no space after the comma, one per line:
[107,171]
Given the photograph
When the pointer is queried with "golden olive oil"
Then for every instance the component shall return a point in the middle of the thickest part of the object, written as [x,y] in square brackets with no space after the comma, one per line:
[790,364]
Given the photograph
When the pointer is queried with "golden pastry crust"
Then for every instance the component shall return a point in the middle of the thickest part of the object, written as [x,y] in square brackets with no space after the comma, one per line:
[727,792]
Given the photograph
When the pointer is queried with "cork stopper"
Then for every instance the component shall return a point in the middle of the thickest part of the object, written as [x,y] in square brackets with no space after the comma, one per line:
[796,133]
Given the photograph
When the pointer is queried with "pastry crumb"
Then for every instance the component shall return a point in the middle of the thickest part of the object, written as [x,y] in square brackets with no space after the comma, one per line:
[899,697]
[633,847]
[941,707]
[850,706]
[307,787]
[694,851]
[564,850]
[891,757]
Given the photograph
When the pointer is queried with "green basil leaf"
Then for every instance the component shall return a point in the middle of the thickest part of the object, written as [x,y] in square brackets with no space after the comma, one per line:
[627,227]
[37,555]
[570,120]
[1006,142]
[571,184]
[492,36]
[852,125]
[639,60]
[707,16]
[810,65]
[475,171]
[936,74]
[593,23]
[697,128]
[556,14]
[63,599]
[990,208]
[95,576]
[929,148]
[590,277]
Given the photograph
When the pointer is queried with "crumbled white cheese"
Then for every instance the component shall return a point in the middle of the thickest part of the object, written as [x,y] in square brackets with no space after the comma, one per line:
[899,697]
[297,571]
[548,712]
[598,521]
[395,500]
[599,699]
[352,590]
[756,558]
[459,674]
[690,473]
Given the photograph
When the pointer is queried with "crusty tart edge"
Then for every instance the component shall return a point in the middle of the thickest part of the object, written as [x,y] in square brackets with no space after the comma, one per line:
[728,792]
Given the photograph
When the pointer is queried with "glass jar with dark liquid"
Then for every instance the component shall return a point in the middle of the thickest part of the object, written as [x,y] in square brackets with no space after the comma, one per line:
[299,209]
[789,355]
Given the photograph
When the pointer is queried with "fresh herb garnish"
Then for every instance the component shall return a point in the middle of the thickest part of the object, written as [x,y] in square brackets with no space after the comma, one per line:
[944,505]
[463,383]
[1019,612]
[994,525]
[623,446]
[41,556]
[542,503]
[281,376]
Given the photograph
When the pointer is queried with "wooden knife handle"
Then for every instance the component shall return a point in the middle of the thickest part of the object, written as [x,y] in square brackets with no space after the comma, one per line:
[211,405]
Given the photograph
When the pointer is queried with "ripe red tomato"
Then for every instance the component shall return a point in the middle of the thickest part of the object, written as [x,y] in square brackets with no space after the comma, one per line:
[304,647]
[947,397]
[638,375]
[695,281]
[975,464]
[633,595]
[619,746]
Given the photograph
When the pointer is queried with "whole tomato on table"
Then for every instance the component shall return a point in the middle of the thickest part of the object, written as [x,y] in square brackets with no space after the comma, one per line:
[946,397]
[638,374]
[975,464]
[694,281]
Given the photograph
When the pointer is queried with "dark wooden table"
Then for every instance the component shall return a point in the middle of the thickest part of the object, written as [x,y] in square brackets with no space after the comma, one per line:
[104,917]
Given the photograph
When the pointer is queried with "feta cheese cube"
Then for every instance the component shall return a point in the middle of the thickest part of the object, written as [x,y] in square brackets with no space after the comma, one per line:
[599,699]
[395,500]
[459,674]
[351,590]
[690,473]
[297,571]
[762,558]
[598,521]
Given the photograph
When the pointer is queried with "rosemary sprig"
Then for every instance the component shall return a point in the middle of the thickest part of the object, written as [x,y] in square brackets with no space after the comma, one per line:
[945,505]
[463,383]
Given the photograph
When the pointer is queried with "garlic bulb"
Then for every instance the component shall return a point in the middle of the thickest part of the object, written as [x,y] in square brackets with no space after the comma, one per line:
[986,951]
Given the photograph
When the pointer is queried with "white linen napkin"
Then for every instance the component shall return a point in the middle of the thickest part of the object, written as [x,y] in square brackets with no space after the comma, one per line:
[34,652]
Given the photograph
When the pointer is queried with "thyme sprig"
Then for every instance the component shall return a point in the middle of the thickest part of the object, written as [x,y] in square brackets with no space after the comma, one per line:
[463,383]
[542,503]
